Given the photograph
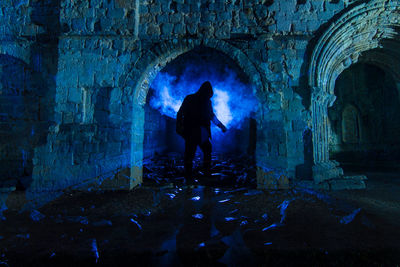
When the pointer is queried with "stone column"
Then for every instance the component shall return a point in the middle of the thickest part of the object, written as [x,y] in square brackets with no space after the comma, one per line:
[323,169]
[137,146]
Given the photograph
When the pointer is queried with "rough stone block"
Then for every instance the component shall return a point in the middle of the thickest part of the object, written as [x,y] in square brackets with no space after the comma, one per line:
[153,29]
[179,28]
[348,183]
[176,18]
[75,95]
[166,28]
[271,180]
[163,18]
[155,8]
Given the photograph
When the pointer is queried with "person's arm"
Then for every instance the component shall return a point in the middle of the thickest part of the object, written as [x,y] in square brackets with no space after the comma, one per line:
[215,120]
[218,123]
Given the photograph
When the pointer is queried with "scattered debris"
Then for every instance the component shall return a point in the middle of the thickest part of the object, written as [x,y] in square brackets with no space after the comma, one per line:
[94,249]
[253,192]
[36,215]
[162,169]
[171,196]
[78,219]
[196,198]
[245,222]
[272,226]
[349,218]
[283,207]
[198,216]
[233,211]
[102,223]
[135,222]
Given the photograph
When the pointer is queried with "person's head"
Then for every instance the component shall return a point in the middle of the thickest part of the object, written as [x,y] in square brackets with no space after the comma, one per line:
[205,91]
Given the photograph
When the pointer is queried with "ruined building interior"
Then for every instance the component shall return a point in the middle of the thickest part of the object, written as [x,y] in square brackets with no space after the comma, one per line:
[92,169]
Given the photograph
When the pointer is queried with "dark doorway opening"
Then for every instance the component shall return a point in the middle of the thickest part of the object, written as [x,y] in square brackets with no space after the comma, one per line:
[365,120]
[233,161]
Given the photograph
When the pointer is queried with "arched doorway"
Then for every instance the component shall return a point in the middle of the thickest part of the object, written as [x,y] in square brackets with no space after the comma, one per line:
[234,105]
[365,27]
[146,70]
[364,119]
[21,116]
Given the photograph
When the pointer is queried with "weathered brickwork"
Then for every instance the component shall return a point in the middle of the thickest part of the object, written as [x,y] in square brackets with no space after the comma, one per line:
[95,60]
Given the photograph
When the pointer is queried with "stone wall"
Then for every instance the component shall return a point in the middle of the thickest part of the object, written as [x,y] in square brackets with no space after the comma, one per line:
[98,58]
[155,133]
[29,55]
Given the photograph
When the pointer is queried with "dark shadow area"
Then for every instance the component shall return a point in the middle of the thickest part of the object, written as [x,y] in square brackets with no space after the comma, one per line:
[304,171]
[24,120]
[28,97]
[365,120]
[19,113]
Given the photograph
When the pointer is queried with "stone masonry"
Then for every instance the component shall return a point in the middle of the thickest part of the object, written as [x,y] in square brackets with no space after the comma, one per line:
[75,75]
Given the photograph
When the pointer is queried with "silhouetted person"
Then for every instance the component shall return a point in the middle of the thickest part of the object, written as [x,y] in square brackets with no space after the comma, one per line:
[193,124]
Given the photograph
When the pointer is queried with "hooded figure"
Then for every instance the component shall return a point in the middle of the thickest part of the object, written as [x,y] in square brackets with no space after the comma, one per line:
[193,124]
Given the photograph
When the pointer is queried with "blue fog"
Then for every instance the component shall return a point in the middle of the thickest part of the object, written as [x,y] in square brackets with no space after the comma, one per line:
[233,101]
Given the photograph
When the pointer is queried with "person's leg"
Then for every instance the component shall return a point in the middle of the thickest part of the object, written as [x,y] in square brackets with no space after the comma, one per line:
[206,148]
[190,150]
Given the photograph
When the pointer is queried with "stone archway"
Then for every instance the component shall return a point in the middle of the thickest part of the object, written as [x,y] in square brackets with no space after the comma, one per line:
[147,67]
[369,26]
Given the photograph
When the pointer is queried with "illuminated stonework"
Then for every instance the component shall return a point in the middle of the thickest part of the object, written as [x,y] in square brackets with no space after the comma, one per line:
[91,64]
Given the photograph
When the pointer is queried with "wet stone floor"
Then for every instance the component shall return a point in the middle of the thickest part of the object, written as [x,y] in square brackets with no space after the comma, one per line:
[220,221]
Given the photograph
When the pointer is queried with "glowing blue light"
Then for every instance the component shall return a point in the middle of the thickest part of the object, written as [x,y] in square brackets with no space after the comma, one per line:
[233,101]
[137,224]
[349,218]
[169,103]
[171,195]
[283,207]
[95,250]
[272,226]
[196,198]
[221,106]
[198,216]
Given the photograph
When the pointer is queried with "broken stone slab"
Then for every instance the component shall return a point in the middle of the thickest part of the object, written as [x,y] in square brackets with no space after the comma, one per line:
[323,171]
[271,179]
[349,183]
[343,183]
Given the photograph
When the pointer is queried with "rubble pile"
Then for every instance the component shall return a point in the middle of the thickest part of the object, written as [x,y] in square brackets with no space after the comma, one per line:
[234,171]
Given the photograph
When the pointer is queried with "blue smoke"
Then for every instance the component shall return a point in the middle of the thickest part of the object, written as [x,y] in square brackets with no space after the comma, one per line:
[233,101]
